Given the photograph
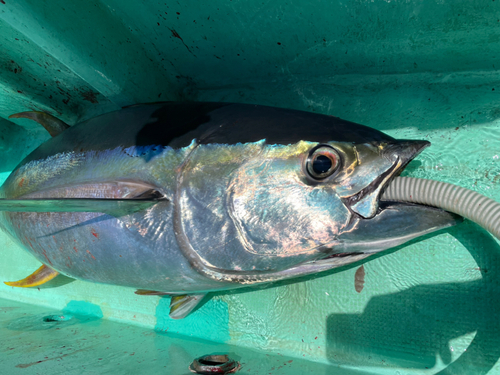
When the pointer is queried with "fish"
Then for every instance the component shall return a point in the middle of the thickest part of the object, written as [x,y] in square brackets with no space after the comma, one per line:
[189,198]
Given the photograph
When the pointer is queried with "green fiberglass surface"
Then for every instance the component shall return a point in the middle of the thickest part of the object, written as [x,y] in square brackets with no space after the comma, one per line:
[415,70]
[76,340]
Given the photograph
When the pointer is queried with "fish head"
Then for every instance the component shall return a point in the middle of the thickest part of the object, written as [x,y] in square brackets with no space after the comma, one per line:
[309,205]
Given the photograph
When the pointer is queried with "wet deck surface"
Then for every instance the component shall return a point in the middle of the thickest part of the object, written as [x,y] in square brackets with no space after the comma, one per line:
[38,340]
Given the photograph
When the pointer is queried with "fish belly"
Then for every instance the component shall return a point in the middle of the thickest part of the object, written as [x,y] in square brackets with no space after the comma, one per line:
[100,248]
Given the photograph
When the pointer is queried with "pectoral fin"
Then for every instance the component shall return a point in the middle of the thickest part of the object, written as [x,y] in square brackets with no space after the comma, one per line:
[39,277]
[52,124]
[181,306]
[113,207]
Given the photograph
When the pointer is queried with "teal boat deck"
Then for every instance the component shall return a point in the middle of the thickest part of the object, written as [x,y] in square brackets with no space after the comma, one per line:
[38,340]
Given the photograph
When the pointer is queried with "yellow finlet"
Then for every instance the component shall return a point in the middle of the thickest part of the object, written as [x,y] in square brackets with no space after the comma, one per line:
[39,277]
[182,305]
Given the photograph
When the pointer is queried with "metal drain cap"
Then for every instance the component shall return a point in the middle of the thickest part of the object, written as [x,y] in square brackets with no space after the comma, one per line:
[214,364]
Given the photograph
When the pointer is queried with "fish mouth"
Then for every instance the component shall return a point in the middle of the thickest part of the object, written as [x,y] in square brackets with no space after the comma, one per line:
[394,224]
[365,203]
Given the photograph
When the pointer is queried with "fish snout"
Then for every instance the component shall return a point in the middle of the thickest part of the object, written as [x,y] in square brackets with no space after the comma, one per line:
[399,153]
[403,151]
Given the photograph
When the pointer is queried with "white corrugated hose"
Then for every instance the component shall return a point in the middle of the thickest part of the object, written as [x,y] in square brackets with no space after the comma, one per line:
[464,202]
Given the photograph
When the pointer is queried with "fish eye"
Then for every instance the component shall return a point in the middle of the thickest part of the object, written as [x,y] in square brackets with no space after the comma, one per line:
[322,162]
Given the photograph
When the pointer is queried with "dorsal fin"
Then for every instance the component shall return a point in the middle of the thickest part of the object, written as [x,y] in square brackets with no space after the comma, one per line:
[52,124]
[39,277]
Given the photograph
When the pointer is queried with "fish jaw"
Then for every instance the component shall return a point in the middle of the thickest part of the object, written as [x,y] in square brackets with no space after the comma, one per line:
[393,225]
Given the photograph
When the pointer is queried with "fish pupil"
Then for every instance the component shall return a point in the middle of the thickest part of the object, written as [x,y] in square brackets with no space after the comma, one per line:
[322,164]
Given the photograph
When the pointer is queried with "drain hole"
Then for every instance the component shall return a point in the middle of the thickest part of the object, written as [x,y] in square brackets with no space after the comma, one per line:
[213,360]
[214,364]
[57,318]
[210,363]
